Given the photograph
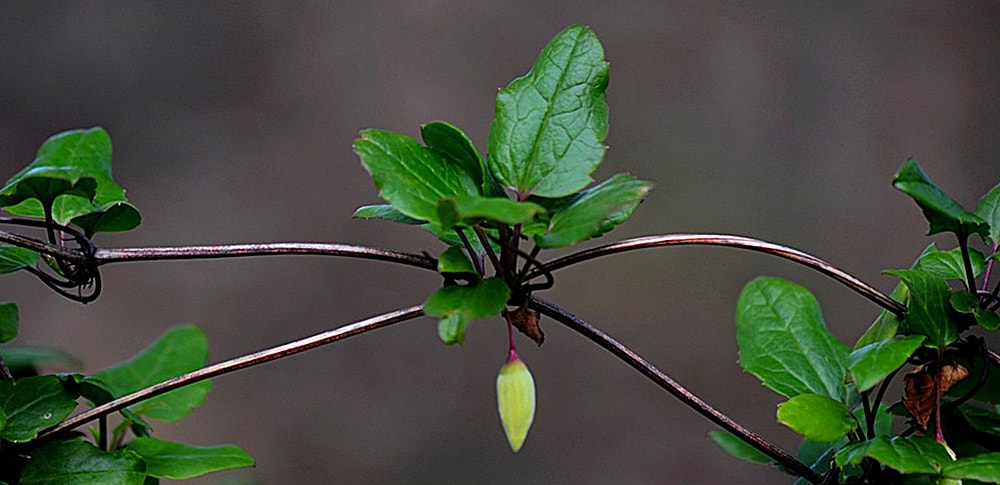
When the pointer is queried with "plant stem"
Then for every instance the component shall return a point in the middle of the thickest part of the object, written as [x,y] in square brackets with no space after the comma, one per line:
[238,363]
[485,241]
[963,244]
[476,261]
[741,242]
[652,373]
[120,255]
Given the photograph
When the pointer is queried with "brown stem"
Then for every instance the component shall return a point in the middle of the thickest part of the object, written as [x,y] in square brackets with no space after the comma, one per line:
[741,242]
[238,363]
[687,397]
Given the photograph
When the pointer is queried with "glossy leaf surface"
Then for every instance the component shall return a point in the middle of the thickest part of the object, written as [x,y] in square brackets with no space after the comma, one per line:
[180,350]
[595,211]
[914,454]
[14,258]
[928,311]
[783,341]
[941,211]
[548,134]
[983,468]
[177,461]
[76,462]
[472,209]
[816,418]
[450,141]
[989,210]
[873,362]
[950,265]
[33,404]
[460,305]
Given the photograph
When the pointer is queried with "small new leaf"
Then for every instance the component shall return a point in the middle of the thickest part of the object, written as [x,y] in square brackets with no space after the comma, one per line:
[454,260]
[177,461]
[410,176]
[950,265]
[180,350]
[941,211]
[928,311]
[469,210]
[816,418]
[783,341]
[516,401]
[384,211]
[450,141]
[595,211]
[460,305]
[873,362]
[548,134]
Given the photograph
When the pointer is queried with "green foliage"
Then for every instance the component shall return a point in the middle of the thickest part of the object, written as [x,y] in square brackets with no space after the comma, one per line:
[914,454]
[988,209]
[738,448]
[874,362]
[76,462]
[783,341]
[950,264]
[594,212]
[928,311]
[8,321]
[817,418]
[13,259]
[941,211]
[460,305]
[180,350]
[176,461]
[32,404]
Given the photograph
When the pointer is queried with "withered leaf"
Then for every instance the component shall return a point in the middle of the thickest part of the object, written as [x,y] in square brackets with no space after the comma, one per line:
[526,321]
[919,394]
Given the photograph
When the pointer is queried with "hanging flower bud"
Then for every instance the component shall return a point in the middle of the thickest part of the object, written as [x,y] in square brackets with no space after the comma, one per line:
[516,400]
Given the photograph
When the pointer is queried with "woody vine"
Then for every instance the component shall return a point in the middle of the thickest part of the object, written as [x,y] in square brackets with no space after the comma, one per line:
[495,215]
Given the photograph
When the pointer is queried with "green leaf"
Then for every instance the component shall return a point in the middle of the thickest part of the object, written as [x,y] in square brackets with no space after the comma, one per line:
[117,216]
[384,211]
[8,321]
[515,401]
[887,323]
[950,265]
[454,260]
[452,239]
[410,176]
[928,311]
[943,213]
[77,462]
[14,258]
[816,418]
[984,468]
[783,341]
[461,305]
[450,141]
[72,172]
[595,211]
[23,360]
[738,448]
[982,420]
[873,362]
[469,210]
[176,461]
[179,351]
[548,134]
[989,210]
[913,454]
[32,404]
[965,302]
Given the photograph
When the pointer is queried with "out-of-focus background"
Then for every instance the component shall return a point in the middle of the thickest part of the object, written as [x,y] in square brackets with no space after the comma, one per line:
[233,122]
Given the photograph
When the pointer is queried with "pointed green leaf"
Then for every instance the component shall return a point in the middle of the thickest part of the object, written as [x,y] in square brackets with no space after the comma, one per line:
[887,323]
[24,360]
[469,210]
[384,211]
[941,211]
[72,172]
[984,468]
[987,319]
[873,362]
[982,420]
[989,210]
[14,258]
[176,461]
[516,401]
[738,448]
[77,462]
[783,341]
[451,238]
[33,404]
[928,311]
[180,350]
[8,321]
[450,141]
[410,176]
[548,134]
[950,265]
[913,454]
[965,302]
[816,418]
[595,211]
[454,260]
[461,305]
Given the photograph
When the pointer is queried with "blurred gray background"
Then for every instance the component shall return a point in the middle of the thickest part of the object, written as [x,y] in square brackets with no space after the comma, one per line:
[233,122]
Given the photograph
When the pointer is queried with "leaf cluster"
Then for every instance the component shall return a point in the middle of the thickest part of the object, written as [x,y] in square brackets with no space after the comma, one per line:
[836,393]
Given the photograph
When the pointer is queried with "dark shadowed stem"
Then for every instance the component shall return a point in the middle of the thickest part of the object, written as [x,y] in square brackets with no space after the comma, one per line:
[652,373]
[970,279]
[485,242]
[795,255]
[238,363]
[476,260]
[41,247]
[869,416]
